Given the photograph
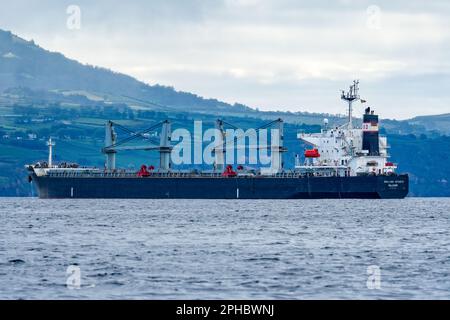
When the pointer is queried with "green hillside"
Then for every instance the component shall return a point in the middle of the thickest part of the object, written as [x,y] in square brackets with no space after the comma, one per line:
[45,94]
[79,134]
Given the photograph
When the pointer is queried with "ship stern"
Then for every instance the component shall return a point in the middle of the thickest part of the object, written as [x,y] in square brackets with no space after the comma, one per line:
[393,187]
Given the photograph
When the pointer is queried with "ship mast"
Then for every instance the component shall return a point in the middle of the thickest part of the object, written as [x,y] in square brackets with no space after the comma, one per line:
[50,145]
[350,96]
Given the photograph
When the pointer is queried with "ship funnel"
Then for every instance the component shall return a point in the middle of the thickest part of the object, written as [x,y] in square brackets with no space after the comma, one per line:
[370,133]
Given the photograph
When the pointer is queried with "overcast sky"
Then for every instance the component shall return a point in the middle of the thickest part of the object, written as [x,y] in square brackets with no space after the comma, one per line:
[274,55]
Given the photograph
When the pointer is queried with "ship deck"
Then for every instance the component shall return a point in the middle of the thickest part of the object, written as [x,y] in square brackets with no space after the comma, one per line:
[72,174]
[190,175]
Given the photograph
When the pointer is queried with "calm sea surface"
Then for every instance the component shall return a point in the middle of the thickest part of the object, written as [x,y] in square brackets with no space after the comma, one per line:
[184,249]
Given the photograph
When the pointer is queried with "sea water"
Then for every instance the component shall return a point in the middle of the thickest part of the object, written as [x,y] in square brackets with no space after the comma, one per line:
[224,249]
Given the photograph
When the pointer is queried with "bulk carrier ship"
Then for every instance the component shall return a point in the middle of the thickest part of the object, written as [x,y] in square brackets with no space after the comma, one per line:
[344,161]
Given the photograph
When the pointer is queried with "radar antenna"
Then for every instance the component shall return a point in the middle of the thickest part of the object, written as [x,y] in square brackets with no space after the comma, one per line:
[350,96]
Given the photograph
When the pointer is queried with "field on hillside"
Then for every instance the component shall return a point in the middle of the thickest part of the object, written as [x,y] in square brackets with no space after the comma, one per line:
[79,136]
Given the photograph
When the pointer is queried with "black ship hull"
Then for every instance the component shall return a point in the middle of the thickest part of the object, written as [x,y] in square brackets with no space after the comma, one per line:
[259,187]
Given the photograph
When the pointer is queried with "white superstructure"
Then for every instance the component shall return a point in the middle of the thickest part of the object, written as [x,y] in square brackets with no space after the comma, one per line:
[347,150]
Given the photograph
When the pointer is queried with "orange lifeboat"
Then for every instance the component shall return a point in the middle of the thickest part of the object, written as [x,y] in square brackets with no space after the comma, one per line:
[314,153]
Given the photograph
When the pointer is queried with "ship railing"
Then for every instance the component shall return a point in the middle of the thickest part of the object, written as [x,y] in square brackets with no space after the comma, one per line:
[174,174]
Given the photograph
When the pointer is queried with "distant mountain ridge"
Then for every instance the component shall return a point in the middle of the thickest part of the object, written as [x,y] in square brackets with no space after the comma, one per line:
[25,64]
[50,75]
[439,122]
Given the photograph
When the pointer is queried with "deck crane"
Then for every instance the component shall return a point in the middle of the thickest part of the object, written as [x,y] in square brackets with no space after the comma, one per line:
[112,146]
[276,146]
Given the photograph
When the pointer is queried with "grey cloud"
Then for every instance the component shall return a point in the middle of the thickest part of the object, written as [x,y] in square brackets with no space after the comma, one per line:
[286,54]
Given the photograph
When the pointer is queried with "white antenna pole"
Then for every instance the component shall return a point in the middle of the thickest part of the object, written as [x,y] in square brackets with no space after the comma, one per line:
[50,145]
[350,116]
[351,96]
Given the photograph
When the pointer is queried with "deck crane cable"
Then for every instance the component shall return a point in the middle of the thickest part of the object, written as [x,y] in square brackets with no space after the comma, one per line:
[231,125]
[264,126]
[134,136]
[168,107]
[134,133]
[142,132]
[128,139]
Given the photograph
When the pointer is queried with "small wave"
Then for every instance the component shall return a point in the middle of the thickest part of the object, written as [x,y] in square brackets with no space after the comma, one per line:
[16,261]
